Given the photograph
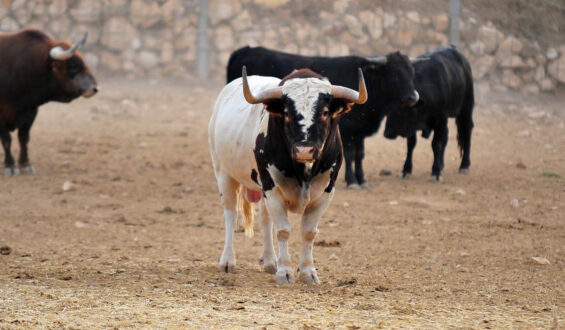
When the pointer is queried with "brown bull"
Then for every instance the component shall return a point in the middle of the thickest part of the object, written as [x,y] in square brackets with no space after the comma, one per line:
[34,70]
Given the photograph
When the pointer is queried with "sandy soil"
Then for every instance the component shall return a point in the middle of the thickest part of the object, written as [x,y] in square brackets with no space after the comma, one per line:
[136,240]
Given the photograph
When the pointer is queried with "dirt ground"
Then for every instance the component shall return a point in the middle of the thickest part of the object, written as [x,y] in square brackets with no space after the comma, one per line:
[136,240]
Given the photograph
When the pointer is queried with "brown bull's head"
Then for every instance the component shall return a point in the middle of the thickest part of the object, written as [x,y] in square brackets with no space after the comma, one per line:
[71,74]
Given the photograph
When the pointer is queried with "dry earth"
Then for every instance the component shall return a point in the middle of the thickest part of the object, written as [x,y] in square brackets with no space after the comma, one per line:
[136,240]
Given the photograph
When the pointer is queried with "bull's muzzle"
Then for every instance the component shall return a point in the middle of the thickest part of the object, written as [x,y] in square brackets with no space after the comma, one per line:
[304,154]
[90,91]
[411,100]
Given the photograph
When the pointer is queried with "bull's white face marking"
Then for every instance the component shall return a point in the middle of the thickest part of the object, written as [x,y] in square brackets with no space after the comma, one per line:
[305,93]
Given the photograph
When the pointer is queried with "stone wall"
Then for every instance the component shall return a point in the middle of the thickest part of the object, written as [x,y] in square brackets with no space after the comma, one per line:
[138,38]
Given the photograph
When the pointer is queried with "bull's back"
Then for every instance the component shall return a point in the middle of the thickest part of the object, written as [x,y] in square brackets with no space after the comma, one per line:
[23,57]
[263,62]
[234,126]
[445,81]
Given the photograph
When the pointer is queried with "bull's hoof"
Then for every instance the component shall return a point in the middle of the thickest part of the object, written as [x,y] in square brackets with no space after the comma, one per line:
[405,176]
[27,169]
[11,171]
[464,170]
[353,186]
[366,186]
[309,276]
[226,267]
[284,275]
[271,268]
[436,178]
[269,265]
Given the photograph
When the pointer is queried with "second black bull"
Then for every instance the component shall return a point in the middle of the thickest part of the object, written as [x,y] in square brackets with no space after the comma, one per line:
[445,84]
[389,80]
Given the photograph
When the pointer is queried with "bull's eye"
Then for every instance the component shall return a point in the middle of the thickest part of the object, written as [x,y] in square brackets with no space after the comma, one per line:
[74,67]
[325,114]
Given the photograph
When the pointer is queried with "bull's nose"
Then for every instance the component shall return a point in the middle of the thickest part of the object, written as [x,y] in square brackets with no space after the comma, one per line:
[304,154]
[90,92]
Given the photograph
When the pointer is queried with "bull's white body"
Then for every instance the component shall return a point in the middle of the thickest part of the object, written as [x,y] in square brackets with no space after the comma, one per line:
[233,130]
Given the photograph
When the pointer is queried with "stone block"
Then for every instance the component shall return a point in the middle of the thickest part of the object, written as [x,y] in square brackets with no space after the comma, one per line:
[118,34]
[87,11]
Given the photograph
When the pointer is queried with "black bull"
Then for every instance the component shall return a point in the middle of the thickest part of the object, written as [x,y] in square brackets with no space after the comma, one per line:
[389,83]
[445,84]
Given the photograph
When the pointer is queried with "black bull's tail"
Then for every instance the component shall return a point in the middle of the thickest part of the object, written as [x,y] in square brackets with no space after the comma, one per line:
[464,120]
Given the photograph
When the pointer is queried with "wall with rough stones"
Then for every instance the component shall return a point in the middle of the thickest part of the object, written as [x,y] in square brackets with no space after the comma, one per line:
[138,38]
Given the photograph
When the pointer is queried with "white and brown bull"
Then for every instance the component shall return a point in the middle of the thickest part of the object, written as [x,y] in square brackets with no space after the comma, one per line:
[276,142]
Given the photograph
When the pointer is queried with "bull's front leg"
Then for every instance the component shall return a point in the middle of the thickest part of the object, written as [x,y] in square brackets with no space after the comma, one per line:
[349,155]
[359,155]
[268,259]
[310,218]
[23,161]
[410,144]
[9,163]
[278,213]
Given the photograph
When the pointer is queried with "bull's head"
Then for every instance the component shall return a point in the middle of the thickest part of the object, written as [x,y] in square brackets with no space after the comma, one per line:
[397,76]
[308,107]
[72,76]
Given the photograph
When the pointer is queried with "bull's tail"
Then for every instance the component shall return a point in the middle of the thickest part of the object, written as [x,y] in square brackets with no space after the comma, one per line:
[464,120]
[465,125]
[246,209]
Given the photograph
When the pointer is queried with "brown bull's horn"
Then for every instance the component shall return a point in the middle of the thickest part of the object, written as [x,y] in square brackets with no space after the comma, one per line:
[58,53]
[377,59]
[273,93]
[351,95]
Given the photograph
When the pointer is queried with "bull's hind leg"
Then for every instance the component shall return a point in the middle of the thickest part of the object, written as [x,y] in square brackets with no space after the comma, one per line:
[439,143]
[310,218]
[9,163]
[268,259]
[228,191]
[464,130]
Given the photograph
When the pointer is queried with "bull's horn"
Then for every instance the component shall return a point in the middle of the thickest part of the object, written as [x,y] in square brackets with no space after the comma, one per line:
[273,93]
[58,53]
[419,59]
[377,59]
[351,95]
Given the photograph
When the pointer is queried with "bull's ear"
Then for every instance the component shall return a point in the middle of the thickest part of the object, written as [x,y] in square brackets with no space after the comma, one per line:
[340,107]
[274,106]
